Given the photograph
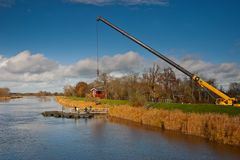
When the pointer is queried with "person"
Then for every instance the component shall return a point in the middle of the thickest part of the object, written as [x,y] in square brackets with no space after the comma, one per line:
[90,108]
[85,109]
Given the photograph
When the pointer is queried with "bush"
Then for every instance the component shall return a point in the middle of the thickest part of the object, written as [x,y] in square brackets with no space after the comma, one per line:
[137,99]
[4,92]
[81,89]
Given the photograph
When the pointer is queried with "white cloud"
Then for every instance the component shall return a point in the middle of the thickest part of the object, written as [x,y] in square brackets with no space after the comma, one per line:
[129,61]
[24,62]
[223,73]
[7,3]
[34,72]
[120,2]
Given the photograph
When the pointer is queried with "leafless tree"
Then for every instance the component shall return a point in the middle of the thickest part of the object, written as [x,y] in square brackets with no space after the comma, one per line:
[234,89]
[69,90]
[150,79]
[4,92]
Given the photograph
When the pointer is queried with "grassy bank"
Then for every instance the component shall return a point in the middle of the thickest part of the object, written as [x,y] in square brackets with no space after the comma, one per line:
[192,108]
[198,108]
[102,101]
[73,102]
[216,123]
[9,97]
[220,128]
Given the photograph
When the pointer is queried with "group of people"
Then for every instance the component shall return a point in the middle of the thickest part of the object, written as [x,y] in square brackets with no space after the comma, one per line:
[86,109]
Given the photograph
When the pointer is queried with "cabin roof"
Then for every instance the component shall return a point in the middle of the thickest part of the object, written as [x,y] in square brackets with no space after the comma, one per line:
[96,89]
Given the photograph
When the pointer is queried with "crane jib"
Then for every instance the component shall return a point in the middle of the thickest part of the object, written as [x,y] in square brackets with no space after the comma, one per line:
[224,100]
[180,68]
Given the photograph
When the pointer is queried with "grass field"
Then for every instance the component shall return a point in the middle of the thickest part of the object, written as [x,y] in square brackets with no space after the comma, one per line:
[75,98]
[196,108]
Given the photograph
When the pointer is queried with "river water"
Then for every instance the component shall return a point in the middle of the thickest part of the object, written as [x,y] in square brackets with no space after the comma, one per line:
[26,134]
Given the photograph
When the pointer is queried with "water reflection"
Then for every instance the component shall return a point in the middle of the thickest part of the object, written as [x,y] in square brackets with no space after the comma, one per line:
[26,134]
[44,98]
[189,141]
[4,100]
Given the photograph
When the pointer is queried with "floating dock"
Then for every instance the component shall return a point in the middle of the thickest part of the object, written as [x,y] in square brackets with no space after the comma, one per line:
[76,114]
[60,114]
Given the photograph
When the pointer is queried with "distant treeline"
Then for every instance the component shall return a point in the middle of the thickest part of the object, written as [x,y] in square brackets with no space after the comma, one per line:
[5,92]
[40,93]
[155,84]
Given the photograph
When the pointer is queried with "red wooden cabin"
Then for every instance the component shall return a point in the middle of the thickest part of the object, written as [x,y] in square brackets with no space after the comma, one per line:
[98,93]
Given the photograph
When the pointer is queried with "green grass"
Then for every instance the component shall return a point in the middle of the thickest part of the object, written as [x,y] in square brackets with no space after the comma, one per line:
[103,101]
[113,102]
[76,98]
[196,108]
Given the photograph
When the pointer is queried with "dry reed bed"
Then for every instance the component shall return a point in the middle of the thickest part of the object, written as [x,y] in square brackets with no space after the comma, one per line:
[220,128]
[216,127]
[76,103]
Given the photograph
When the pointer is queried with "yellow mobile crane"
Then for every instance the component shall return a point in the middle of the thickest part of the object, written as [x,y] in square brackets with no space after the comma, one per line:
[223,100]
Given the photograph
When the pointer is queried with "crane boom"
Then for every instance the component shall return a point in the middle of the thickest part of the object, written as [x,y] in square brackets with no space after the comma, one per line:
[223,100]
[146,46]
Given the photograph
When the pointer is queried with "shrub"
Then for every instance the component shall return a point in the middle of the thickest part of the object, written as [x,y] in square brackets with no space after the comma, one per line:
[137,99]
[81,89]
[4,92]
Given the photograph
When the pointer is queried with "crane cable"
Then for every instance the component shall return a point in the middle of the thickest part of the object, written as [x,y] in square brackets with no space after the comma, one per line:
[209,93]
[97,48]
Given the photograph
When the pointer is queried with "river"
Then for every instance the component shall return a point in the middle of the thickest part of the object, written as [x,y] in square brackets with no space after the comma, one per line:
[26,135]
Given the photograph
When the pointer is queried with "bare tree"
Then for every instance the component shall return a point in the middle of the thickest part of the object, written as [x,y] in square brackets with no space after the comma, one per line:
[69,90]
[150,79]
[234,89]
[4,92]
[104,79]
[169,80]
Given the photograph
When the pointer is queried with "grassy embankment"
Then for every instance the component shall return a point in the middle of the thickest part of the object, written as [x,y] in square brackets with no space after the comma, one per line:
[187,108]
[216,123]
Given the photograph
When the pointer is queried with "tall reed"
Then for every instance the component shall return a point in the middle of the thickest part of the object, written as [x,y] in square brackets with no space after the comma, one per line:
[215,127]
[220,128]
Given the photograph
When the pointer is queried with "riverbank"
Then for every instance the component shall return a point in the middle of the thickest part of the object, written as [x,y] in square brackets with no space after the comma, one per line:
[220,128]
[9,97]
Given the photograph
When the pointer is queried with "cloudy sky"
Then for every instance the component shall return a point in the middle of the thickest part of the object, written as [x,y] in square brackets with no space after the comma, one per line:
[45,45]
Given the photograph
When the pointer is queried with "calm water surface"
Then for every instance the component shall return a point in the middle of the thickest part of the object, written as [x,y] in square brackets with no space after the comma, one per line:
[26,134]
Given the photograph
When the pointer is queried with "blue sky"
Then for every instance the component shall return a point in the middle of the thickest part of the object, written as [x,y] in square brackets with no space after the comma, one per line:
[64,31]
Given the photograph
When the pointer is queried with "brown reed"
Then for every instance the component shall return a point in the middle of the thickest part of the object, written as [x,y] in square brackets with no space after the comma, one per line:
[219,128]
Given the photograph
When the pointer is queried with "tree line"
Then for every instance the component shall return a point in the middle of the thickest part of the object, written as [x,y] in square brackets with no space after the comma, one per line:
[5,92]
[155,84]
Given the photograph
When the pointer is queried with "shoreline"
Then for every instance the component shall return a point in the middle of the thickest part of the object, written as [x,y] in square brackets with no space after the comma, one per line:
[9,97]
[220,128]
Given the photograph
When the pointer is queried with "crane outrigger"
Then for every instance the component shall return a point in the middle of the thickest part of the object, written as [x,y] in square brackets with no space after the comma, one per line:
[223,98]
